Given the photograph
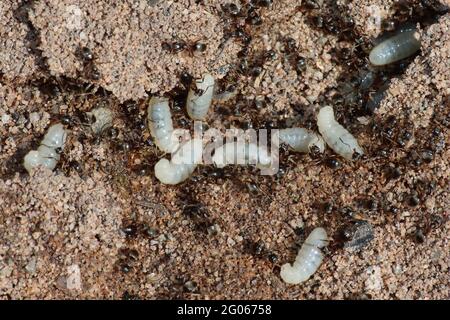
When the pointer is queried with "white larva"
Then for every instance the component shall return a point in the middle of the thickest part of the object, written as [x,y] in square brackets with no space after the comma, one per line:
[308,259]
[243,153]
[200,97]
[302,140]
[47,154]
[103,119]
[336,136]
[160,124]
[182,164]
[398,47]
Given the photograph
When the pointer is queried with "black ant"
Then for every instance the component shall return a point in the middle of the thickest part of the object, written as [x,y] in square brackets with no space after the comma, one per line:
[262,3]
[88,58]
[231,9]
[174,47]
[291,50]
[181,45]
[127,259]
[196,90]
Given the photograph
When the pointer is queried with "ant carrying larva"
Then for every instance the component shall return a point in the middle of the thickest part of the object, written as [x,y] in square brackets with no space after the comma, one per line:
[302,140]
[200,97]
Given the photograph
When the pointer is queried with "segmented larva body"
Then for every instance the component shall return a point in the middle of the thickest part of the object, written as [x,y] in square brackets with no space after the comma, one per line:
[47,154]
[200,97]
[182,164]
[302,140]
[336,136]
[308,259]
[243,153]
[400,46]
[103,119]
[160,124]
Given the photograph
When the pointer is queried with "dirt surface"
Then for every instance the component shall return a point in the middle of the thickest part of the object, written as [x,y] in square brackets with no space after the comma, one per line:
[125,40]
[17,63]
[102,226]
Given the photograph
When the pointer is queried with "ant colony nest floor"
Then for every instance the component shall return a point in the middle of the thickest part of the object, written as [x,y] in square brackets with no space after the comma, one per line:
[102,226]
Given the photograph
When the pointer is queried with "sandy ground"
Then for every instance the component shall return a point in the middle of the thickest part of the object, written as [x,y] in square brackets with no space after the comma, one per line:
[102,226]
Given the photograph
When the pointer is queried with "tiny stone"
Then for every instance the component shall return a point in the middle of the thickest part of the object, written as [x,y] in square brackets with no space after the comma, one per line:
[296,223]
[190,286]
[31,265]
[5,118]
[74,277]
[231,242]
[213,230]
[34,117]
[359,235]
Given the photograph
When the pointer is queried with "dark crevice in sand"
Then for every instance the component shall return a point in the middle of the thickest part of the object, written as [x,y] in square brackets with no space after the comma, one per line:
[194,210]
[33,39]
[53,85]
[14,164]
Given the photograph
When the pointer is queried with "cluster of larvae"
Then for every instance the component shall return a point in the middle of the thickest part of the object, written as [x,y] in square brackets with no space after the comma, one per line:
[186,155]
[48,152]
[198,103]
[400,46]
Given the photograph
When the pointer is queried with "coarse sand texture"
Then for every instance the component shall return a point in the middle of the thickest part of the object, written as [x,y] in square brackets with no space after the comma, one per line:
[99,223]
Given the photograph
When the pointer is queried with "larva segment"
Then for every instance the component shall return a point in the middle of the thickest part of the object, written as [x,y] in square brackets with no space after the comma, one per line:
[47,154]
[308,259]
[398,47]
[302,140]
[336,136]
[182,165]
[55,136]
[169,173]
[160,124]
[32,160]
[200,97]
[243,153]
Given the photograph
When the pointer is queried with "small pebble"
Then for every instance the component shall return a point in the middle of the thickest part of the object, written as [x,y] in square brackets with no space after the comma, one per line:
[359,235]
